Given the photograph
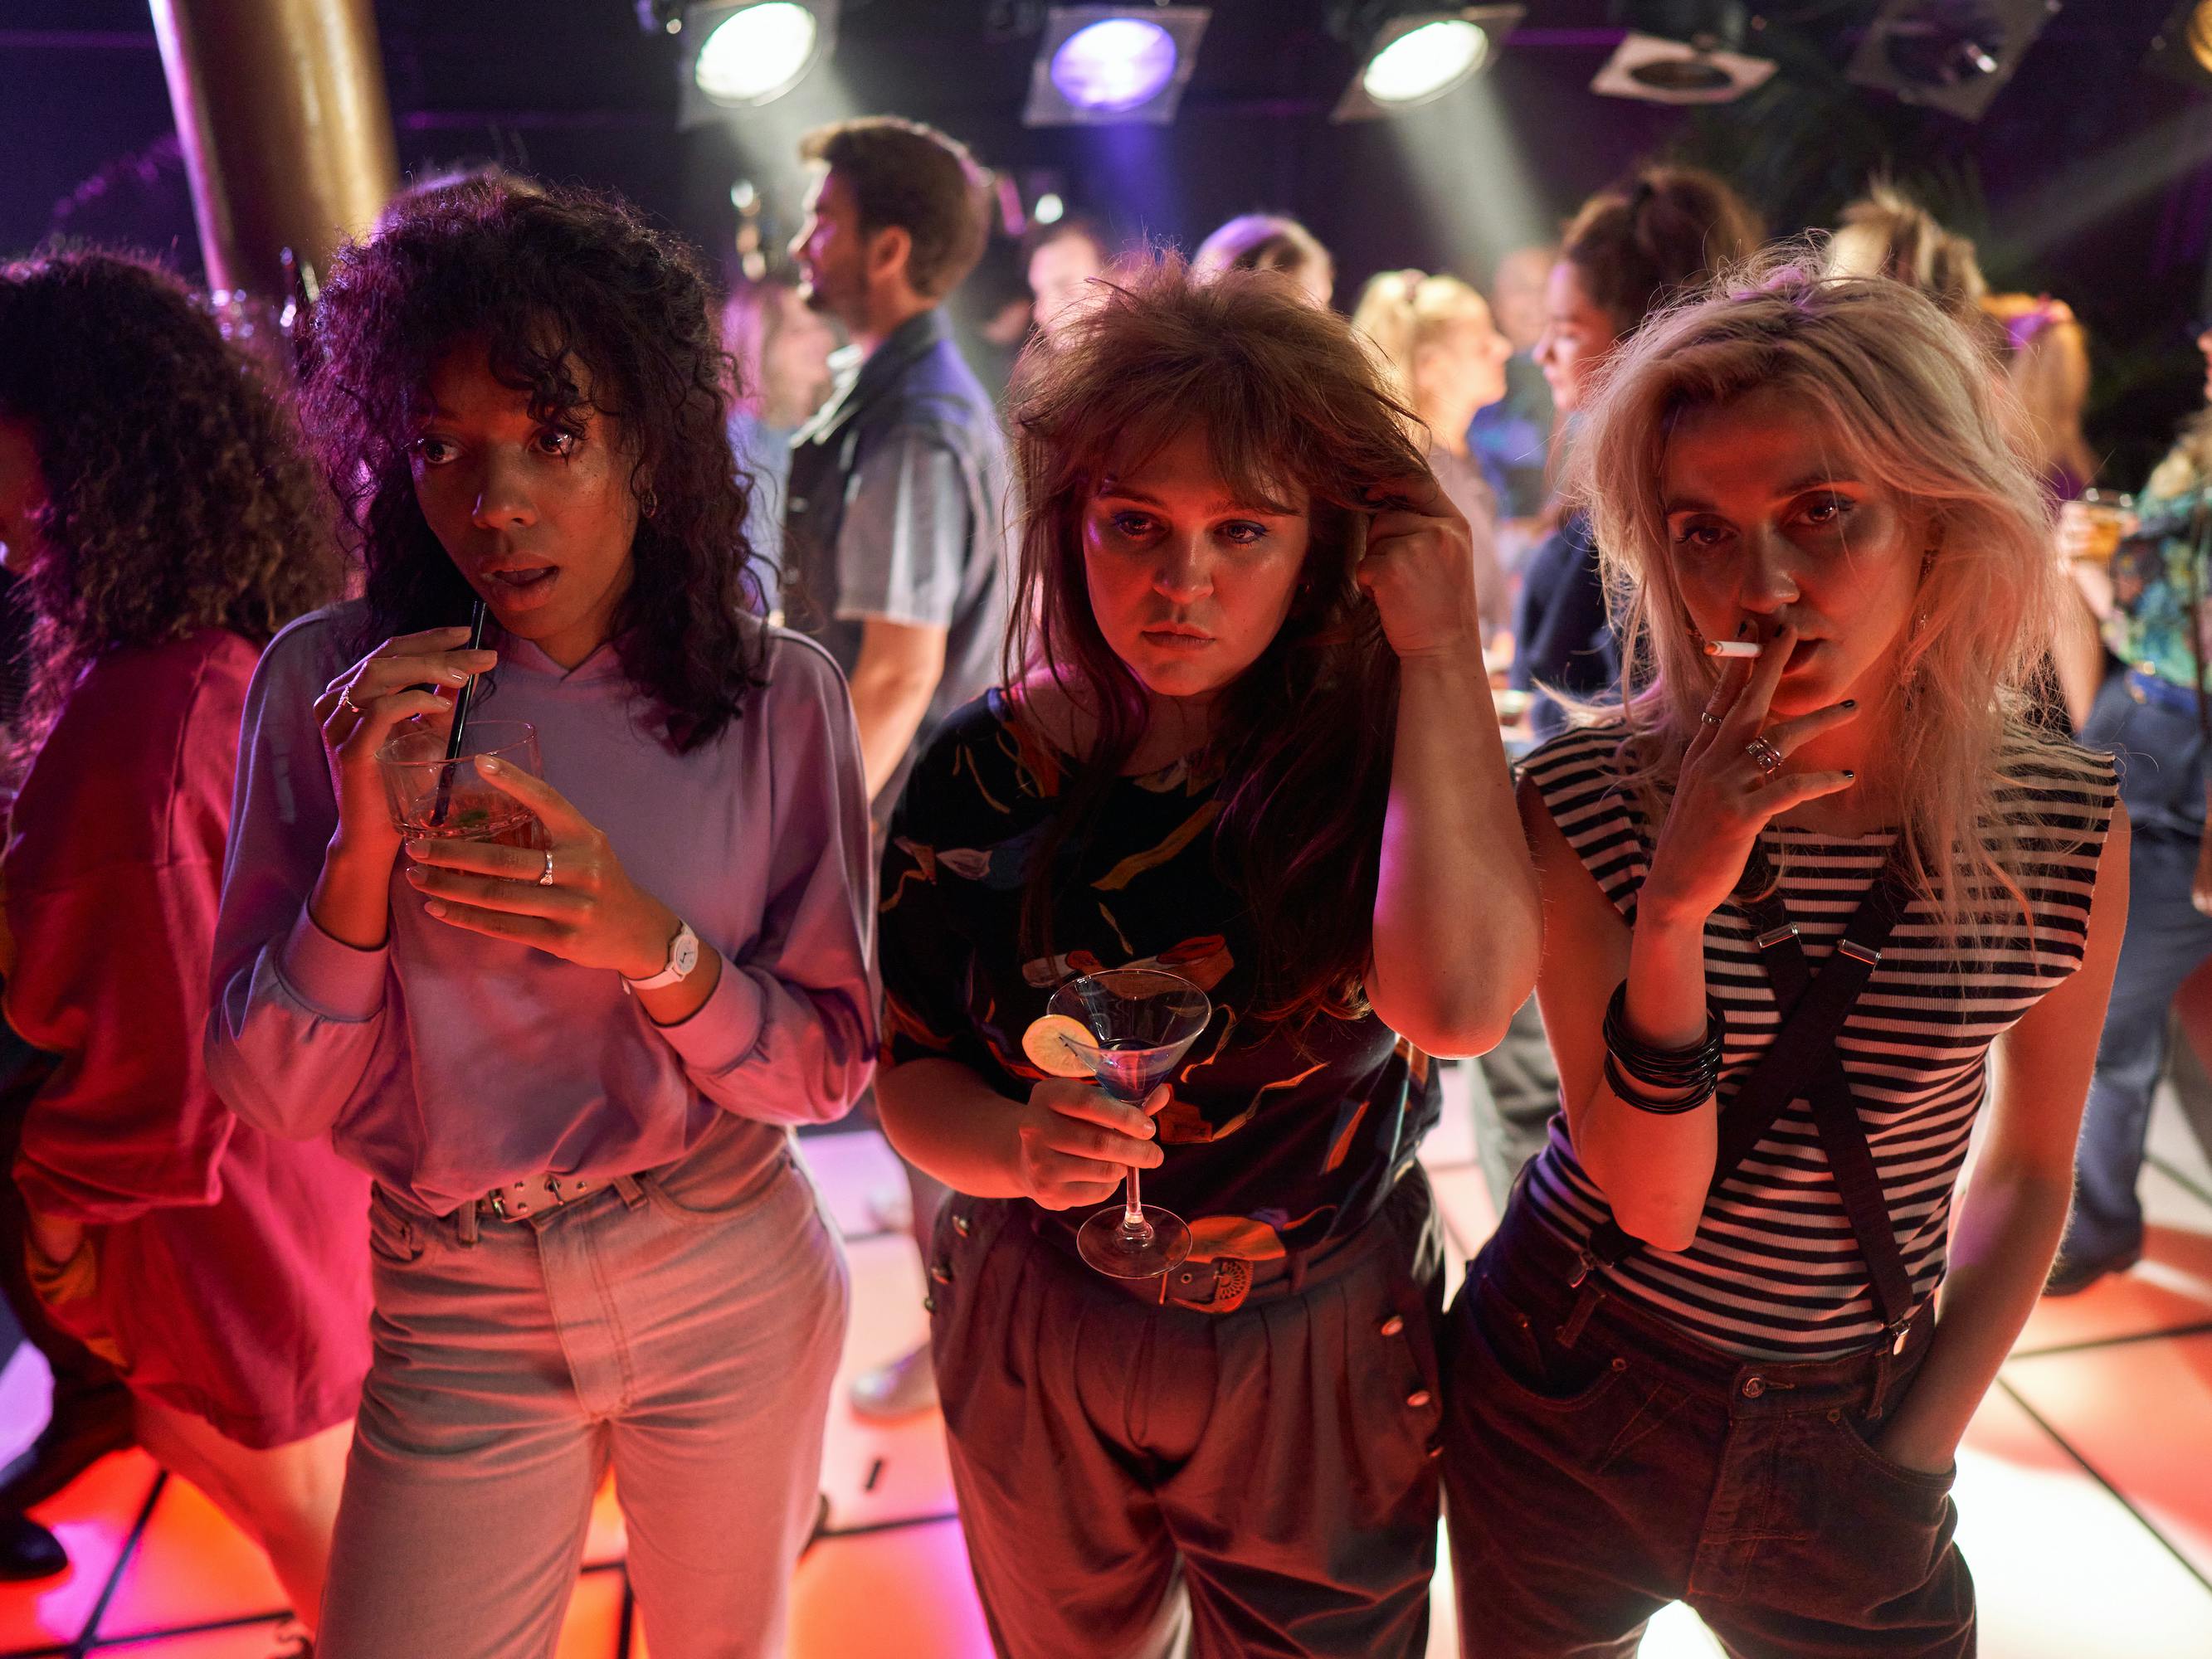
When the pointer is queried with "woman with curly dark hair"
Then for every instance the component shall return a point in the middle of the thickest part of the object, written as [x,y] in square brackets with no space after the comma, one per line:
[1245,736]
[570,1064]
[155,502]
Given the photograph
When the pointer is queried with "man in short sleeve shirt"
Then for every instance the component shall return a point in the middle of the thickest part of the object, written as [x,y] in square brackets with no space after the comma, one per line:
[895,525]
[895,531]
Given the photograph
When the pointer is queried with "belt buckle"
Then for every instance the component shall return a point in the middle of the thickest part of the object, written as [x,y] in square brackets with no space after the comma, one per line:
[1229,1281]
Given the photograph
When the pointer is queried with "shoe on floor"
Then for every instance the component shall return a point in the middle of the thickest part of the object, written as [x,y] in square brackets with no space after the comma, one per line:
[84,1429]
[905,1388]
[27,1550]
[2070,1275]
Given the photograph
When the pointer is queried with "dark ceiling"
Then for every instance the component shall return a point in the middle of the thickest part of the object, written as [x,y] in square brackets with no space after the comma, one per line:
[2091,177]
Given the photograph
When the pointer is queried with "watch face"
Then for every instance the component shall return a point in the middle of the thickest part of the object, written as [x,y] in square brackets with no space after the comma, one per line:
[685,957]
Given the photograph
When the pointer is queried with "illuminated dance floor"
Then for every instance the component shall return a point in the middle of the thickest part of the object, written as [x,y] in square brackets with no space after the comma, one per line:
[2085,1488]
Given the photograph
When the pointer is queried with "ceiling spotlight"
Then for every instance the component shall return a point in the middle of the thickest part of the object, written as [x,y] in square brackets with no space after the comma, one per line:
[1682,51]
[1417,56]
[752,54]
[1951,55]
[2183,49]
[1050,209]
[1097,64]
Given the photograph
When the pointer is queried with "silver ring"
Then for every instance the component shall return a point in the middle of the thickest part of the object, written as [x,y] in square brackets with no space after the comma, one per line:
[1765,756]
[546,879]
[346,702]
[1706,717]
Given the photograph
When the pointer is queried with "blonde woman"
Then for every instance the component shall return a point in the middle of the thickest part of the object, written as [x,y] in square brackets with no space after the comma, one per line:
[1716,1350]
[1270,241]
[2047,361]
[1446,360]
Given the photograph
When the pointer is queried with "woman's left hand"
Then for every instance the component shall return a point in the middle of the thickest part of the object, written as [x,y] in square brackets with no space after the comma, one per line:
[589,912]
[1419,571]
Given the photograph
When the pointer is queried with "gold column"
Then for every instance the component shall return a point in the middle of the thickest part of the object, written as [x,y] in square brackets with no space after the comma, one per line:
[286,130]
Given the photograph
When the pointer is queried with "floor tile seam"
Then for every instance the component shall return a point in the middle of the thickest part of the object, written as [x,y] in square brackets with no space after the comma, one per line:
[2099,1477]
[626,1625]
[2090,1345]
[172,1633]
[2181,1177]
[869,1529]
[89,1636]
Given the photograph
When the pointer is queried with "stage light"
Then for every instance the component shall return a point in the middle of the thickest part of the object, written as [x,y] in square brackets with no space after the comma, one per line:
[1682,51]
[750,55]
[1417,56]
[1097,64]
[1116,65]
[1951,55]
[2183,48]
[1049,209]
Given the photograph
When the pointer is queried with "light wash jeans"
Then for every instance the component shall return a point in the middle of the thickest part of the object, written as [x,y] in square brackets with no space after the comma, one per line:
[683,1329]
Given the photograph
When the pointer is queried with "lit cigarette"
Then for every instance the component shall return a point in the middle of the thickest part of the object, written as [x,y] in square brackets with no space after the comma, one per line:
[1732,647]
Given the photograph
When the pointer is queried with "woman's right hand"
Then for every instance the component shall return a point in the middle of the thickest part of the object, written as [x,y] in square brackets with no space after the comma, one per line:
[1723,798]
[1074,1142]
[358,710]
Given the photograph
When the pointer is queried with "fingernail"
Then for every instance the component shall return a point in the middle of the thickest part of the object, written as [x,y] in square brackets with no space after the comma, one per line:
[1743,627]
[1851,703]
[435,907]
[415,849]
[458,676]
[486,763]
[415,874]
[1850,776]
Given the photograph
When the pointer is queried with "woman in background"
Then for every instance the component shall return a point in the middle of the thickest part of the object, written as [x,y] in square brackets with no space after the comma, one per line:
[1270,241]
[781,346]
[1448,360]
[165,525]
[1628,252]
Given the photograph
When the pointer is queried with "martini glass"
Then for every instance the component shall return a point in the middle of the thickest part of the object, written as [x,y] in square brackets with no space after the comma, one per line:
[1142,1022]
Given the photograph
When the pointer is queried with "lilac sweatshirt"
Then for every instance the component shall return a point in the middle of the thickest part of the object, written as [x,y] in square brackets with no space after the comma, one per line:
[446,1063]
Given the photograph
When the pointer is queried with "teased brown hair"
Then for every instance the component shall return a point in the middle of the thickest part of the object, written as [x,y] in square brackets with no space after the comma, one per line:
[1287,397]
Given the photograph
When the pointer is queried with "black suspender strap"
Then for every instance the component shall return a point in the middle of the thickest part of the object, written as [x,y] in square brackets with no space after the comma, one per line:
[1802,1062]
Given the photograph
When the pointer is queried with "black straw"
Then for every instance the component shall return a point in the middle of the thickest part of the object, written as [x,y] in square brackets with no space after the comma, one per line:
[460,720]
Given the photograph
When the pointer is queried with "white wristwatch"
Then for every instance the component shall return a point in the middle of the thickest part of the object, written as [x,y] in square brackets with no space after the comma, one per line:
[683,957]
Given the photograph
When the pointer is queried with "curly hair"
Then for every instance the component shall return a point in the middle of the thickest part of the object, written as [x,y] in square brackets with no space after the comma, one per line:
[177,495]
[1285,397]
[548,278]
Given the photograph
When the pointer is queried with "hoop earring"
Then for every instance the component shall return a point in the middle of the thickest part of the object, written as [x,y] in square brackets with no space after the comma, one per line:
[649,503]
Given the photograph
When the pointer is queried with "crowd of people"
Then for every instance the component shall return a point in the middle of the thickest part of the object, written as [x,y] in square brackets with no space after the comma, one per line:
[1690,684]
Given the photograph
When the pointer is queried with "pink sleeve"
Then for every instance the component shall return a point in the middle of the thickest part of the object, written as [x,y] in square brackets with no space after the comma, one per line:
[112,884]
[297,1015]
[789,1034]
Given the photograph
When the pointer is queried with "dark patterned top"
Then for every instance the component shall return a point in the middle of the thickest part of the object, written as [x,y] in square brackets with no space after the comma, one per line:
[1272,1142]
[1774,1272]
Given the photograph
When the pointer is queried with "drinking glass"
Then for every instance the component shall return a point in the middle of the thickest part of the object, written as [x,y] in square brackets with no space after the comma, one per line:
[1141,1022]
[440,800]
[2108,516]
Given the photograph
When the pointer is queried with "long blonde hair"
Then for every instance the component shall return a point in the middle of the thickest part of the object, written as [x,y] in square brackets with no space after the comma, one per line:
[2048,359]
[1405,311]
[1910,400]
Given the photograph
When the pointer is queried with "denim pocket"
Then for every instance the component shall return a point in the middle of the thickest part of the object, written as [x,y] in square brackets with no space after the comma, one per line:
[693,1192]
[1504,1350]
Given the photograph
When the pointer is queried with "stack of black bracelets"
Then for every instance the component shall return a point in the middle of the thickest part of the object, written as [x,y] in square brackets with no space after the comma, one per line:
[1633,1068]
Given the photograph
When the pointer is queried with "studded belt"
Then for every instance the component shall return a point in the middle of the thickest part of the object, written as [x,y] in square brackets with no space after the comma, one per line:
[519,1200]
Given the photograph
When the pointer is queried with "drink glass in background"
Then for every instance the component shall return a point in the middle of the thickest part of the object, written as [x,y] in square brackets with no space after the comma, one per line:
[2095,524]
[438,799]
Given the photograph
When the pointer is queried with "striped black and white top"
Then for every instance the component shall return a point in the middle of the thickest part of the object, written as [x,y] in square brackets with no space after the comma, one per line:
[1775,1273]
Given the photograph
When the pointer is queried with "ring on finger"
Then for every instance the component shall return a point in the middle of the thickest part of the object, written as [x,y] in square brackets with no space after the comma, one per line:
[545,877]
[346,702]
[1765,756]
[1706,717]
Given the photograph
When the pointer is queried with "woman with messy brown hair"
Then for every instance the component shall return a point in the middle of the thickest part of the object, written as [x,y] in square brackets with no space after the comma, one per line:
[1245,736]
[155,502]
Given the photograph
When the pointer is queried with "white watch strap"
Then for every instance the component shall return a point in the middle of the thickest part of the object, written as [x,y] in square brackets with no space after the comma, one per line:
[677,970]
